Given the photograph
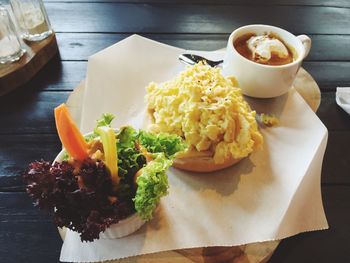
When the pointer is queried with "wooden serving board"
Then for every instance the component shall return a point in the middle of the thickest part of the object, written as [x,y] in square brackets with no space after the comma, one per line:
[251,253]
[37,54]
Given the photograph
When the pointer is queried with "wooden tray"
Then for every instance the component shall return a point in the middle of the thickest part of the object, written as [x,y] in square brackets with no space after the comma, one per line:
[251,253]
[37,55]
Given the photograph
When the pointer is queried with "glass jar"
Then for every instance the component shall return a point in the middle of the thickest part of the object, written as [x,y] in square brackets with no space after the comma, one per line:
[32,19]
[10,46]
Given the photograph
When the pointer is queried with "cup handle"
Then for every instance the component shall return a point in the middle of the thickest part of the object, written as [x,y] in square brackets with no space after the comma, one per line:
[306,41]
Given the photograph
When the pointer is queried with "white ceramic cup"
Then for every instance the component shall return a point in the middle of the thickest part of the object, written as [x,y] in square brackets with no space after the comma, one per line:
[264,81]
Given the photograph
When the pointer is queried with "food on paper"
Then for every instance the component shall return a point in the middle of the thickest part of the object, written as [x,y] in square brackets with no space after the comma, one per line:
[103,178]
[266,49]
[268,119]
[210,113]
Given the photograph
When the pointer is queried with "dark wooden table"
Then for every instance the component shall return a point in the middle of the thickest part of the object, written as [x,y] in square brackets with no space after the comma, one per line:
[27,130]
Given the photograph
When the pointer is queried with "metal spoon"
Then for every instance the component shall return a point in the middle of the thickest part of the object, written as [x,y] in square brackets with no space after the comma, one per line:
[191,59]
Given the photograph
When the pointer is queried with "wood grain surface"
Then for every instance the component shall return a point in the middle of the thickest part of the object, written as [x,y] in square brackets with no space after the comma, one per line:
[181,18]
[334,3]
[36,56]
[85,26]
[81,46]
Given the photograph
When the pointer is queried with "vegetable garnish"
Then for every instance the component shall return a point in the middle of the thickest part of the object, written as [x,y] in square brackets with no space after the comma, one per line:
[105,120]
[170,144]
[107,136]
[268,120]
[152,184]
[122,173]
[70,136]
[86,210]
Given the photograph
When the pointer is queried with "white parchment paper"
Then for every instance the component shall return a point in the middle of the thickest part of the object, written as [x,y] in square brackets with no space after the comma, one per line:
[273,194]
[342,97]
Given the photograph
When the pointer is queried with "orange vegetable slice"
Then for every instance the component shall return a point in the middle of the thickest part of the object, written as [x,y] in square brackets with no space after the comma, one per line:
[71,138]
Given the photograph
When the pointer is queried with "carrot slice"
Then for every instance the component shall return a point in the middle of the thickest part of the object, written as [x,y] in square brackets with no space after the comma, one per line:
[71,138]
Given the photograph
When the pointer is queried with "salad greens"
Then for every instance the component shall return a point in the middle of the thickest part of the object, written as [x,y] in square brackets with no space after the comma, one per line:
[105,120]
[169,144]
[130,160]
[152,184]
[128,176]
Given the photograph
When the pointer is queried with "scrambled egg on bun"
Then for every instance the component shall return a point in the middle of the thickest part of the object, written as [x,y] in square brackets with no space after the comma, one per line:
[208,111]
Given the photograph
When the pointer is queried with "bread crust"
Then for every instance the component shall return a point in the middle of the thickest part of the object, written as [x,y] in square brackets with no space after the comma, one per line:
[202,164]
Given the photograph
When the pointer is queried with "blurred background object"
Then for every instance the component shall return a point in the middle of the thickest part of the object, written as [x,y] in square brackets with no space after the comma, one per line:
[10,45]
[32,19]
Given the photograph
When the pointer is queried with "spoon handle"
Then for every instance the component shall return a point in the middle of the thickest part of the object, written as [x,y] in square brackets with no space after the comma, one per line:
[191,59]
[186,58]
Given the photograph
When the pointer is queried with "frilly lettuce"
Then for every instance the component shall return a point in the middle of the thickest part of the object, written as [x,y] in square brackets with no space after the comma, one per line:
[56,185]
[130,159]
[169,144]
[152,184]
[127,136]
[105,120]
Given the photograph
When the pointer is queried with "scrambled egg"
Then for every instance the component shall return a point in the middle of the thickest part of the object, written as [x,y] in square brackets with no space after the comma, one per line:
[268,119]
[207,110]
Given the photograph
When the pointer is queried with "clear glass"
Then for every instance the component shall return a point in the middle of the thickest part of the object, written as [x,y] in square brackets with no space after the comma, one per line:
[10,46]
[32,19]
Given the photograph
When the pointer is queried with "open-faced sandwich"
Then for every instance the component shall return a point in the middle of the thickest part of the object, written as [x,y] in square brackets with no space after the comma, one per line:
[106,180]
[210,113]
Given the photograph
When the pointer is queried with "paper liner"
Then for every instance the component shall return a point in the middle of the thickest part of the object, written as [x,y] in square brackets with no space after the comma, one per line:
[342,98]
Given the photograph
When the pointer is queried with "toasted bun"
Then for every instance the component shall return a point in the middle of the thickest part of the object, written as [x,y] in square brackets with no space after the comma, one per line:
[195,161]
[202,163]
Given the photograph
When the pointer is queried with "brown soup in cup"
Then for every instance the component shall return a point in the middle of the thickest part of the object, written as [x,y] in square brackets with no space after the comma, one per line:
[242,47]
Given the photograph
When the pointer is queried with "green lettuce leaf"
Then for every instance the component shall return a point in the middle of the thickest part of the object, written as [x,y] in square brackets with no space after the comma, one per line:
[170,144]
[105,120]
[130,160]
[65,156]
[127,137]
[152,184]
